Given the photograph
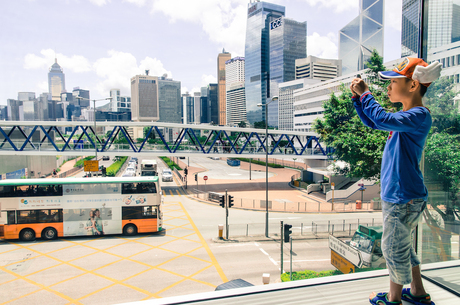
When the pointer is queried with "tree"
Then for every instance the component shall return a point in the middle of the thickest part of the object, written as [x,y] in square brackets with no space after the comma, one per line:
[152,133]
[442,159]
[341,128]
[242,124]
[444,112]
[259,125]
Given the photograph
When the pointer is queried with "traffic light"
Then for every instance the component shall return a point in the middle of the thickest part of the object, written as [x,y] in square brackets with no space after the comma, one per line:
[186,171]
[230,201]
[196,177]
[222,201]
[287,232]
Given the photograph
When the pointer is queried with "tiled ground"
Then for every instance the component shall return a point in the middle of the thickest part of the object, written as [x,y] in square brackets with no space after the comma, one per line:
[111,269]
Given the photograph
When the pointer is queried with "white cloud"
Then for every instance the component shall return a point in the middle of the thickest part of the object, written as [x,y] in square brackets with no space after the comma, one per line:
[117,69]
[137,2]
[338,5]
[393,16]
[100,2]
[208,79]
[74,63]
[322,46]
[224,21]
[42,87]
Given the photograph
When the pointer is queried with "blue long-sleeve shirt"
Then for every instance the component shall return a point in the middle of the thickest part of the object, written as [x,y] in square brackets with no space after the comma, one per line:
[401,178]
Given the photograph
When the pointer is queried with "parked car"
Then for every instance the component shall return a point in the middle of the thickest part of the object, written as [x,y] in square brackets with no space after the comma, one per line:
[166,175]
[105,158]
[134,159]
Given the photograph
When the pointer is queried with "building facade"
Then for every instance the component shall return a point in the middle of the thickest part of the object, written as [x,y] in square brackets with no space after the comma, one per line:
[83,99]
[205,109]
[119,103]
[361,36]
[170,101]
[212,94]
[144,98]
[314,67]
[221,83]
[257,65]
[188,103]
[56,81]
[236,98]
[443,25]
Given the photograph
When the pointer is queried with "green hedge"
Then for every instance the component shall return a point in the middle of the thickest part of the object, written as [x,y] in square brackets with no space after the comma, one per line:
[308,274]
[261,163]
[113,169]
[81,162]
[171,164]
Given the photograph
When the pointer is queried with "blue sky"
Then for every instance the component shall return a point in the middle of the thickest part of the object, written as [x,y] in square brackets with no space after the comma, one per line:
[101,44]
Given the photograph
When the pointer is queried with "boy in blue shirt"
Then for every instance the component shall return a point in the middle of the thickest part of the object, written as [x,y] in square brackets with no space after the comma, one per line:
[404,195]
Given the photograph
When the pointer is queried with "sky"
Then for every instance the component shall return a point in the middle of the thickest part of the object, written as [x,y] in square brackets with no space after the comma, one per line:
[101,44]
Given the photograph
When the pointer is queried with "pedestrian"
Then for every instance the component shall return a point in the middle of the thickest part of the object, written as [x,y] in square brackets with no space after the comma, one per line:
[403,193]
[54,173]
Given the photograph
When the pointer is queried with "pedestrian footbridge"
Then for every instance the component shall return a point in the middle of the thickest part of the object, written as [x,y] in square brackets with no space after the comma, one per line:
[149,138]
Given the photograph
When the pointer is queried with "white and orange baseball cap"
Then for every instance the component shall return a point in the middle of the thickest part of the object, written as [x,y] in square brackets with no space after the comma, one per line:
[416,69]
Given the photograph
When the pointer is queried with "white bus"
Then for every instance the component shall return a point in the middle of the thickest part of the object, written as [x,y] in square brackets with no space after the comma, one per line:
[51,208]
[149,168]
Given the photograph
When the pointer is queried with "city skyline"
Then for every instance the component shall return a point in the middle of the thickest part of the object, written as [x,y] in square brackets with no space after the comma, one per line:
[106,58]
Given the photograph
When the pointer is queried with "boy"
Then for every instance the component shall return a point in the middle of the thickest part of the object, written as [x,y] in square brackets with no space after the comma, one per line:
[403,192]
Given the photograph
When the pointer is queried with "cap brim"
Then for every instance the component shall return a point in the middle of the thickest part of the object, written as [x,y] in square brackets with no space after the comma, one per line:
[389,75]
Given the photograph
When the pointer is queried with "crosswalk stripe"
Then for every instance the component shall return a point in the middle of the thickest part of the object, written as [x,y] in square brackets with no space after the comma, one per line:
[171,193]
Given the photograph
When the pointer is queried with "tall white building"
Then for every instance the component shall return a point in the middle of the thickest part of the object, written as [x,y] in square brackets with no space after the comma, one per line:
[197,107]
[235,90]
[119,103]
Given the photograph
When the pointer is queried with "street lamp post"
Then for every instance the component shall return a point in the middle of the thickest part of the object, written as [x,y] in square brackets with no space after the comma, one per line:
[275,98]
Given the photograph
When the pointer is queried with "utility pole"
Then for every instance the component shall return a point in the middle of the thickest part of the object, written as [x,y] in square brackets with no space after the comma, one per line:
[226,215]
[282,246]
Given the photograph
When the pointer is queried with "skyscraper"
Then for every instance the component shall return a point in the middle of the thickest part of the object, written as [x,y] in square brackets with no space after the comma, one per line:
[257,66]
[188,103]
[236,100]
[56,81]
[84,101]
[443,24]
[221,75]
[144,98]
[288,42]
[197,107]
[213,103]
[170,102]
[205,110]
[361,36]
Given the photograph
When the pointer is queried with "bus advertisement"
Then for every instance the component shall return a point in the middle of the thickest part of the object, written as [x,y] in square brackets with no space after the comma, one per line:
[50,208]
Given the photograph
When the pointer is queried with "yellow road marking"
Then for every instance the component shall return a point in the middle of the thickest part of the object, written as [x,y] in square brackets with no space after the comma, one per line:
[211,255]
[171,193]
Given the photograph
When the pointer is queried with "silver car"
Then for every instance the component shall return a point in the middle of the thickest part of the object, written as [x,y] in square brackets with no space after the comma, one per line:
[166,175]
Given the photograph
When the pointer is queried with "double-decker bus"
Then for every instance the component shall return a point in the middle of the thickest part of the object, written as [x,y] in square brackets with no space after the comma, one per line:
[51,208]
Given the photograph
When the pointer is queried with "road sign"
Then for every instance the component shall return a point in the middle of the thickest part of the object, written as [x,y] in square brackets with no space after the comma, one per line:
[342,264]
[349,253]
[333,184]
[91,165]
[360,184]
[205,178]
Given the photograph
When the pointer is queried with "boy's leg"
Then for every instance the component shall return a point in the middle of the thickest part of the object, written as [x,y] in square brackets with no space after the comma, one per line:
[416,287]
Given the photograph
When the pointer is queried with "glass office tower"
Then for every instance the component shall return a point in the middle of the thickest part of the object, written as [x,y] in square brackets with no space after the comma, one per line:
[443,24]
[288,42]
[362,35]
[257,66]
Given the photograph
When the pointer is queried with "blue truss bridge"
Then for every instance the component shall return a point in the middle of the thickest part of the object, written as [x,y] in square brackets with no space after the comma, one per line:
[154,138]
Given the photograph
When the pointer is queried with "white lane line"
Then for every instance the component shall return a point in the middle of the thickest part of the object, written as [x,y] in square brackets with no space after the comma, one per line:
[269,257]
[307,260]
[263,251]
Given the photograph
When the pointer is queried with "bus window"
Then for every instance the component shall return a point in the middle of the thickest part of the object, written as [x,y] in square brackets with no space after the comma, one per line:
[132,213]
[29,216]
[45,216]
[30,190]
[139,188]
[11,215]
[150,212]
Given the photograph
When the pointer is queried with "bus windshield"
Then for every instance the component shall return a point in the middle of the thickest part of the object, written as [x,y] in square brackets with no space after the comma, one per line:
[362,242]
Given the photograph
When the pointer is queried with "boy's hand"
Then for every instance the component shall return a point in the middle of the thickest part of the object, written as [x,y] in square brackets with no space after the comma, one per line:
[358,86]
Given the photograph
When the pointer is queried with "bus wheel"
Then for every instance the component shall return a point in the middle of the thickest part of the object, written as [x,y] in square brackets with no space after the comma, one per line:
[130,230]
[27,235]
[49,233]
